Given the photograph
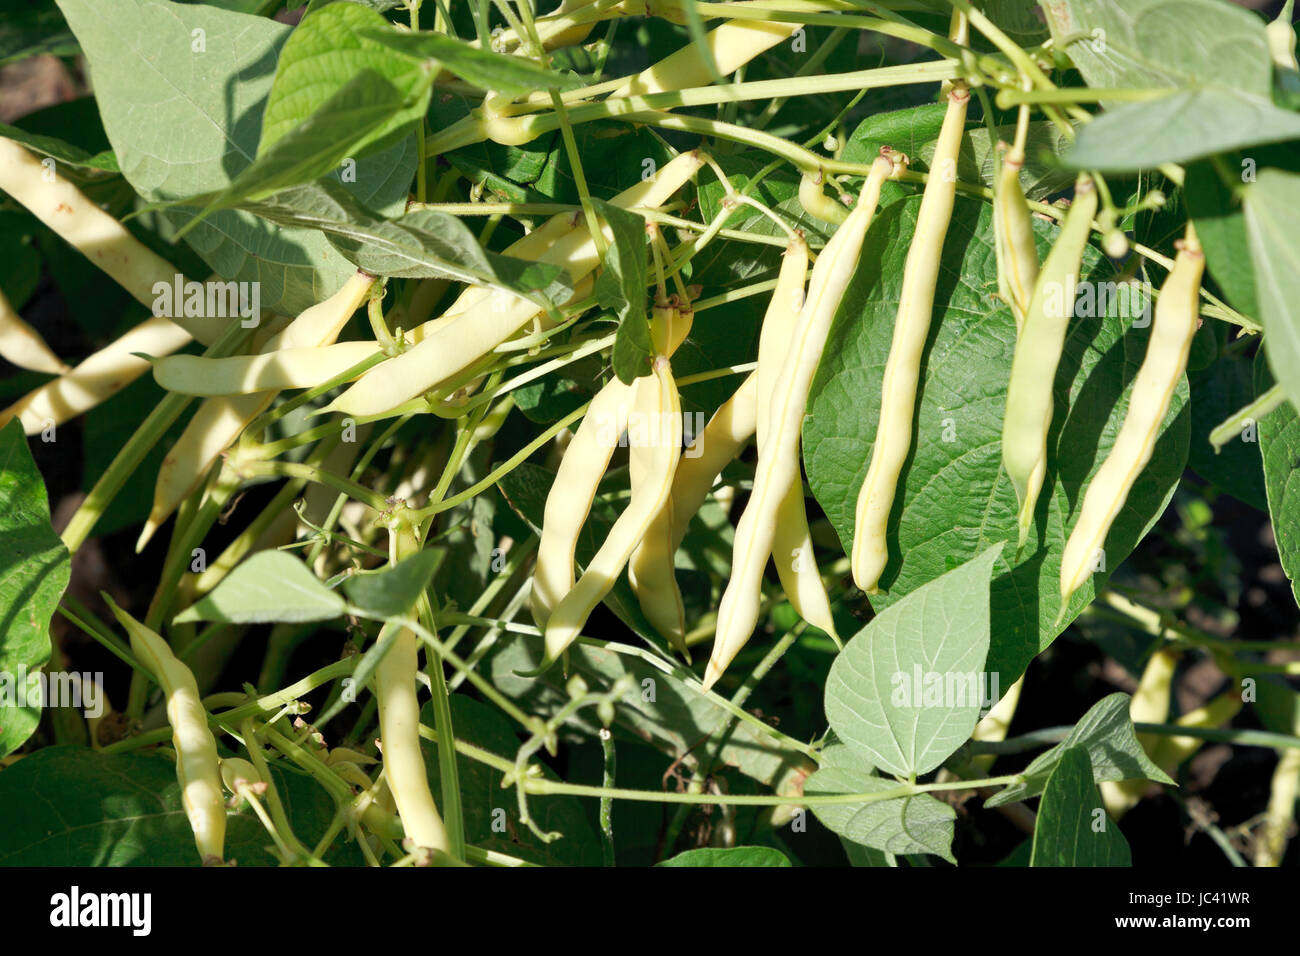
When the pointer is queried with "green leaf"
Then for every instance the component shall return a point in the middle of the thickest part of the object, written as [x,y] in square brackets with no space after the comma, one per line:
[62,151]
[1275,250]
[269,586]
[1107,734]
[73,806]
[344,126]
[729,856]
[34,571]
[954,498]
[481,68]
[915,824]
[1073,828]
[1183,126]
[1279,444]
[323,56]
[421,244]
[621,287]
[1217,393]
[392,591]
[1221,229]
[879,694]
[1163,43]
[179,127]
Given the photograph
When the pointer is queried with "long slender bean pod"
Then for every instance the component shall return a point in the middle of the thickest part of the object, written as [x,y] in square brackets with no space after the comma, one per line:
[659,410]
[197,767]
[92,232]
[1150,705]
[1038,352]
[733,44]
[399,726]
[22,345]
[779,452]
[903,368]
[1013,229]
[1172,330]
[483,327]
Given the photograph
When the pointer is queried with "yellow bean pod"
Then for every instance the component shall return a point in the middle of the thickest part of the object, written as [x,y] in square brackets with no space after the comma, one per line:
[658,409]
[817,203]
[22,345]
[903,368]
[454,346]
[245,374]
[733,44]
[91,231]
[1176,319]
[572,493]
[197,767]
[778,467]
[399,726]
[1038,352]
[1013,232]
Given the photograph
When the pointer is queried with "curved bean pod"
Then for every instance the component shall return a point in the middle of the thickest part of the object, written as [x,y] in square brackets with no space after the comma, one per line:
[22,345]
[778,467]
[903,368]
[1013,231]
[658,405]
[1176,319]
[197,767]
[1038,352]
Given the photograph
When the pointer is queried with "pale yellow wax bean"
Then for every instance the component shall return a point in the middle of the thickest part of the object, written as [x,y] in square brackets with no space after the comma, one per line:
[220,421]
[903,368]
[92,232]
[733,44]
[1149,705]
[659,412]
[779,455]
[572,493]
[22,345]
[1028,417]
[1014,235]
[97,377]
[245,374]
[1172,330]
[817,203]
[399,727]
[454,346]
[651,570]
[792,547]
[728,431]
[197,767]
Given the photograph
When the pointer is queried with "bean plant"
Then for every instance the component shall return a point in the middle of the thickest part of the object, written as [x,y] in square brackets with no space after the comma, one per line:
[404,399]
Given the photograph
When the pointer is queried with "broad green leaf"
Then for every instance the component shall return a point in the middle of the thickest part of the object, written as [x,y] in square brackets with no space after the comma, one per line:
[621,287]
[1275,250]
[421,244]
[916,824]
[881,694]
[1073,828]
[953,496]
[488,806]
[63,152]
[1183,126]
[269,586]
[1279,444]
[1221,229]
[729,856]
[1107,734]
[73,806]
[179,127]
[392,591]
[345,125]
[1163,43]
[324,56]
[914,131]
[1217,393]
[34,571]
[482,68]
